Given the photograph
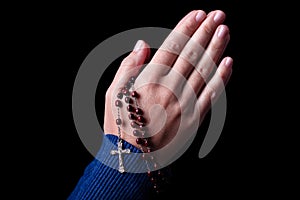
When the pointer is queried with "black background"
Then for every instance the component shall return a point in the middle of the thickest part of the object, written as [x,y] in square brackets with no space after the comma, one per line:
[52,40]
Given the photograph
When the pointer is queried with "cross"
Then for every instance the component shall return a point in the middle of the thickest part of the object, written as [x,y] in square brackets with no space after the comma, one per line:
[120,151]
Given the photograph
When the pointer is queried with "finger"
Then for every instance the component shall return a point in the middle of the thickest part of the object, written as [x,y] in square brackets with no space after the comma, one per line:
[195,47]
[205,66]
[174,43]
[210,13]
[215,86]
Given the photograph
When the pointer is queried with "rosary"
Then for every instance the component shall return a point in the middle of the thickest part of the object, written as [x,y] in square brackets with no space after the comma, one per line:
[138,123]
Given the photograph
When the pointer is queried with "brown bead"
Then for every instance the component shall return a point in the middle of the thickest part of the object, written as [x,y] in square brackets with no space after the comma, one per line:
[130,108]
[144,156]
[151,157]
[142,126]
[131,116]
[134,94]
[140,119]
[139,141]
[153,179]
[125,91]
[128,100]
[133,124]
[132,79]
[158,190]
[118,121]
[150,173]
[146,143]
[159,173]
[138,111]
[128,85]
[118,103]
[137,133]
[120,95]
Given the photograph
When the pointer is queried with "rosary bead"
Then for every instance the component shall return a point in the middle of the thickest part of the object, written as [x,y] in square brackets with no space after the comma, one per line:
[118,103]
[130,108]
[157,190]
[120,95]
[128,85]
[133,124]
[142,128]
[150,173]
[131,116]
[134,94]
[146,143]
[132,79]
[138,111]
[138,123]
[159,173]
[118,121]
[140,119]
[137,133]
[153,179]
[151,157]
[139,141]
[125,91]
[128,100]
[144,156]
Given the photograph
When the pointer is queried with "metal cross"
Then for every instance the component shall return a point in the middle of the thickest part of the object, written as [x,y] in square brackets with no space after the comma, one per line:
[120,151]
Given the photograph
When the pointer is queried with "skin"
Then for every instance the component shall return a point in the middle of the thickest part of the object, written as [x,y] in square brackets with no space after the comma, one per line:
[201,30]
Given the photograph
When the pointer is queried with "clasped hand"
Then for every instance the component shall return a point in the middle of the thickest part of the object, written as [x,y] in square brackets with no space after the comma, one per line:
[181,81]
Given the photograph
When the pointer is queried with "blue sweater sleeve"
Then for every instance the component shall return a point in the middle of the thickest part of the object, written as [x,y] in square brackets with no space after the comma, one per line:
[101,180]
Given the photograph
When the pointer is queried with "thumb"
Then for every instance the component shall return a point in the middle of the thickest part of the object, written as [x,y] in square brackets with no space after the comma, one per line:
[132,64]
[141,52]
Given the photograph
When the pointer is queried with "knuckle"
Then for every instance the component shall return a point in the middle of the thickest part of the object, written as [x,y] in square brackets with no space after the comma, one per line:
[189,26]
[202,71]
[222,75]
[192,52]
[191,55]
[173,47]
[207,29]
[175,42]
[218,47]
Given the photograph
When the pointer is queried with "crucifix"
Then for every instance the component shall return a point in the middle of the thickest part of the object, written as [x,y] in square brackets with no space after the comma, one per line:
[120,151]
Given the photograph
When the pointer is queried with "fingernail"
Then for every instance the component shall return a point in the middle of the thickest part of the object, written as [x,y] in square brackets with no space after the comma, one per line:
[219,16]
[200,16]
[228,62]
[222,32]
[138,46]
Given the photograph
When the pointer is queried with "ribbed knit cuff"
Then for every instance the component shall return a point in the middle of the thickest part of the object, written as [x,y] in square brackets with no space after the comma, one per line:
[101,181]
